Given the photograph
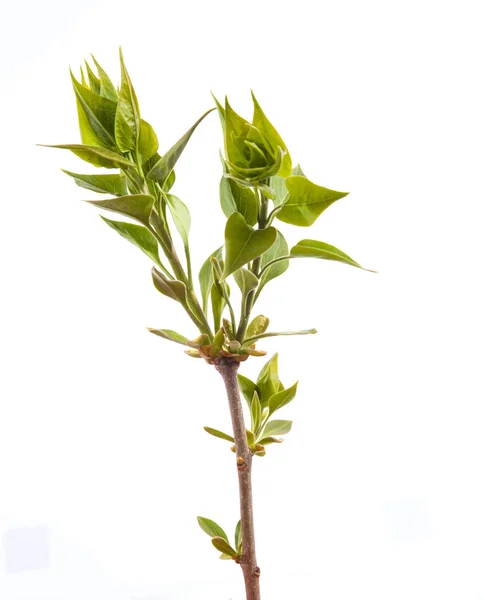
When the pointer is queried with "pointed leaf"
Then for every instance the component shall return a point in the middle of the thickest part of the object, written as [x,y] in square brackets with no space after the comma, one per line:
[148,141]
[278,334]
[268,380]
[218,303]
[219,434]
[237,198]
[243,244]
[276,427]
[247,388]
[172,288]
[266,441]
[255,411]
[246,280]
[137,235]
[206,276]
[223,546]
[166,163]
[169,334]
[136,206]
[94,82]
[279,248]
[106,87]
[212,529]
[315,249]
[238,538]
[181,216]
[95,155]
[128,120]
[102,184]
[306,201]
[282,398]
[258,326]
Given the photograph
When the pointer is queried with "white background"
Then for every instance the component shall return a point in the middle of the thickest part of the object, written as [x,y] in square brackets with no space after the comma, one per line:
[377,492]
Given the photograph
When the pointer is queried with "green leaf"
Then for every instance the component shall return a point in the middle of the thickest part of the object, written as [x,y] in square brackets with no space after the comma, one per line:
[306,201]
[255,411]
[169,334]
[247,388]
[128,120]
[246,280]
[219,434]
[223,546]
[266,441]
[218,303]
[106,87]
[166,163]
[100,157]
[276,427]
[172,288]
[206,276]
[278,334]
[136,206]
[94,82]
[137,235]
[297,170]
[238,537]
[250,437]
[212,529]
[243,244]
[315,249]
[268,380]
[280,399]
[237,198]
[261,122]
[148,142]
[181,216]
[279,248]
[102,184]
[258,326]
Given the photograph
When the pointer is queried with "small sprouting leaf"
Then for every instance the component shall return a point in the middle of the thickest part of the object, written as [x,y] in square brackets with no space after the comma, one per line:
[315,249]
[276,427]
[268,380]
[247,388]
[243,243]
[282,398]
[258,326]
[95,155]
[128,120]
[259,450]
[172,288]
[238,537]
[224,556]
[219,338]
[266,441]
[306,201]
[137,235]
[297,170]
[261,122]
[218,303]
[169,334]
[181,216]
[148,141]
[255,411]
[212,529]
[278,334]
[223,546]
[106,87]
[166,163]
[279,248]
[250,437]
[246,280]
[206,276]
[219,434]
[94,82]
[237,198]
[136,206]
[102,184]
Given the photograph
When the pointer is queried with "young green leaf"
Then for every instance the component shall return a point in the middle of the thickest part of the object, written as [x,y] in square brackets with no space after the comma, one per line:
[219,434]
[169,334]
[247,388]
[306,201]
[137,235]
[250,340]
[243,244]
[206,276]
[212,529]
[238,537]
[258,326]
[94,82]
[95,155]
[102,184]
[266,441]
[268,380]
[218,303]
[282,398]
[237,198]
[181,216]
[245,280]
[223,546]
[106,87]
[128,119]
[315,249]
[166,163]
[172,288]
[279,249]
[261,122]
[148,142]
[136,206]
[276,427]
[255,411]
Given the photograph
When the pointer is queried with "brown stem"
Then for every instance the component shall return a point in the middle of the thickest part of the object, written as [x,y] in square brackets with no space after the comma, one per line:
[251,571]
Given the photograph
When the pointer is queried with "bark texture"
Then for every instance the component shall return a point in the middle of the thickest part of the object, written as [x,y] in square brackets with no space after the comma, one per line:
[251,571]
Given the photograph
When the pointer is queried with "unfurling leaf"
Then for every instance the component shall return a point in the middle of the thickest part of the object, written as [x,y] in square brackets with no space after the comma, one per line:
[247,388]
[243,243]
[306,201]
[102,184]
[206,276]
[245,280]
[268,381]
[106,87]
[315,249]
[278,334]
[172,288]
[212,529]
[237,198]
[258,326]
[238,537]
[166,163]
[219,434]
[282,398]
[255,411]
[95,155]
[136,206]
[169,334]
[279,249]
[137,235]
[148,142]
[266,441]
[128,119]
[276,427]
[181,216]
[223,546]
